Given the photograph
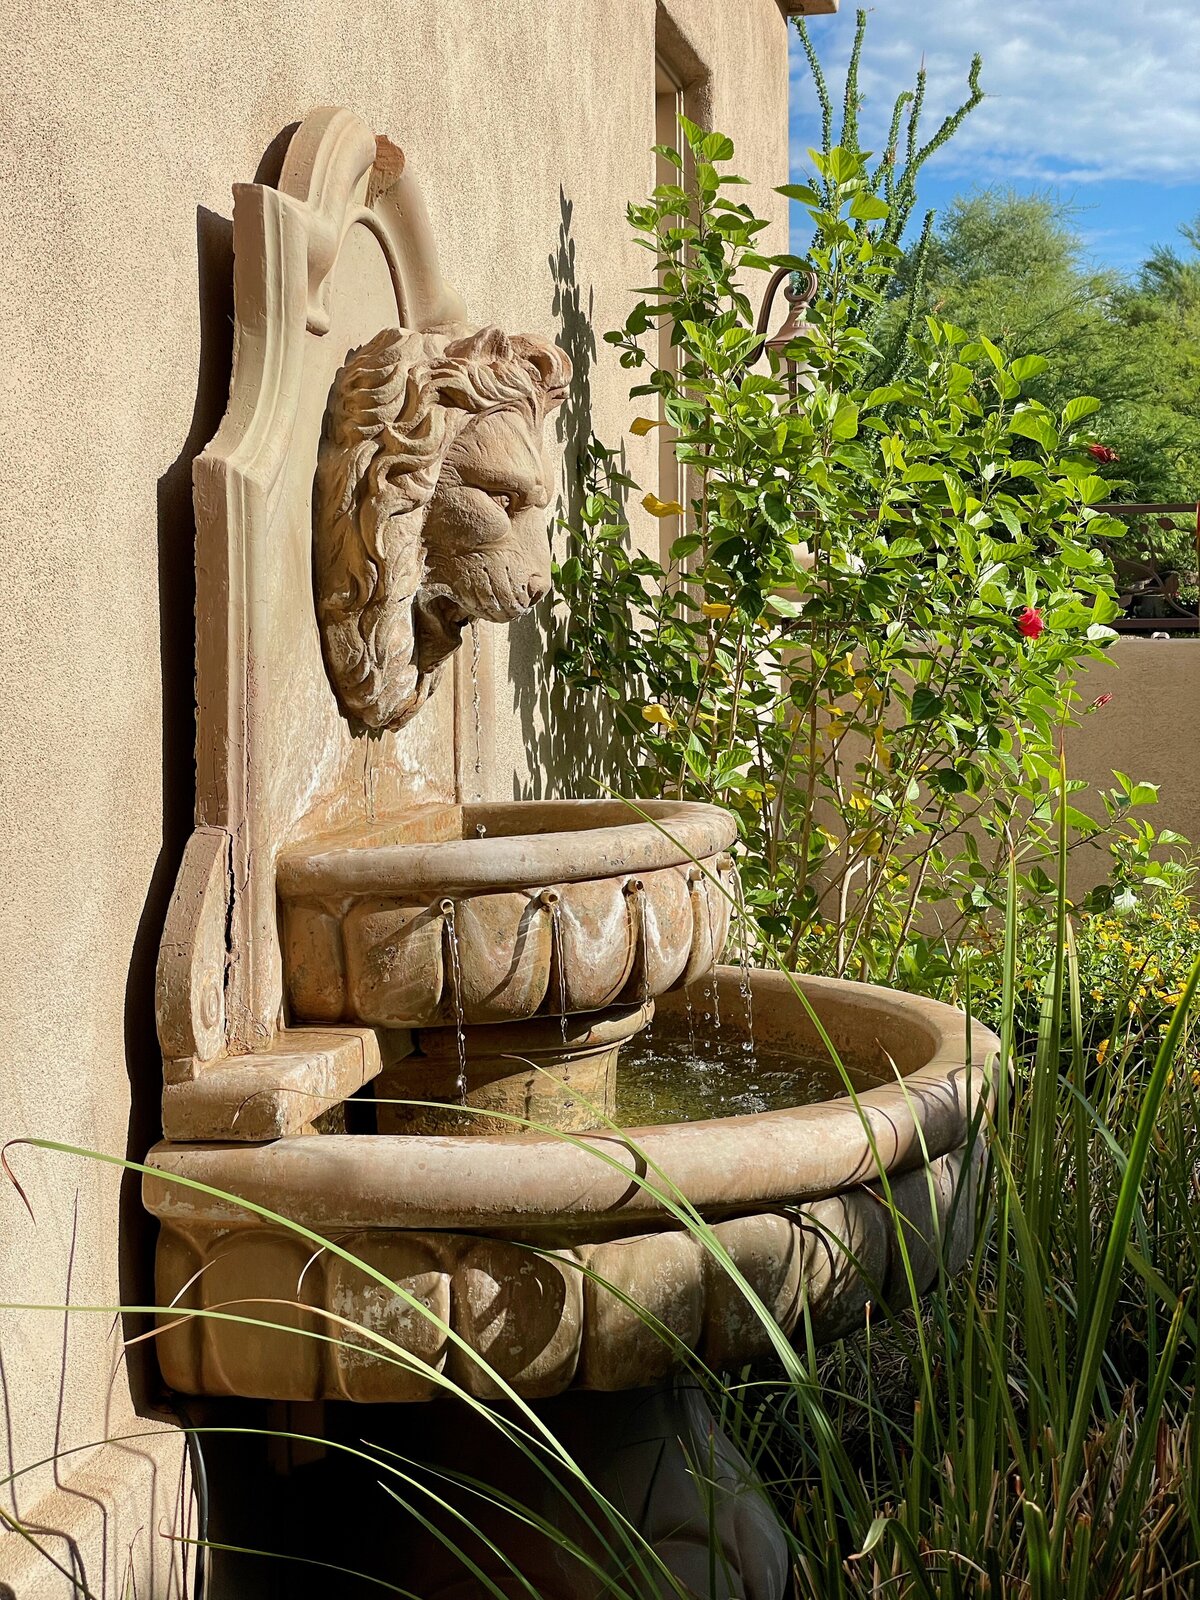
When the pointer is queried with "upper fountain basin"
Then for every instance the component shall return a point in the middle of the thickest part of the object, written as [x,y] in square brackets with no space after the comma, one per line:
[498,911]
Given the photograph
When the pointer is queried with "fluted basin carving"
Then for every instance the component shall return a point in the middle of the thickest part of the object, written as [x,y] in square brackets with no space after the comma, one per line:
[499,912]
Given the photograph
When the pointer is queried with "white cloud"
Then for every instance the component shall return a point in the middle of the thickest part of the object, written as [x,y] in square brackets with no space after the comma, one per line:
[1076,92]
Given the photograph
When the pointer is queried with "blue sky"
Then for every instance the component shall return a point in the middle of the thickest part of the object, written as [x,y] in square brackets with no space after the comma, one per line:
[1100,104]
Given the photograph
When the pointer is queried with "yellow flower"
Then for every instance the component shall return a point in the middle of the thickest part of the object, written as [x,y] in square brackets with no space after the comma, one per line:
[1101,1052]
[661,508]
[658,714]
[1097,994]
[715,608]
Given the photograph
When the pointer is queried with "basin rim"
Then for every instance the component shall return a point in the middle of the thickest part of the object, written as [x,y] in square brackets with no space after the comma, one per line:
[530,1184]
[671,833]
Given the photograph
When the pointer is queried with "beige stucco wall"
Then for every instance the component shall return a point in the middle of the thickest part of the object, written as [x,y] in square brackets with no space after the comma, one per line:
[1150,729]
[123,128]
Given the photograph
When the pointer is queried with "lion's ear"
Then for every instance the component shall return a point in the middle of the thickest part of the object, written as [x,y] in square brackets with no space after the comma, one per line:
[550,365]
[486,345]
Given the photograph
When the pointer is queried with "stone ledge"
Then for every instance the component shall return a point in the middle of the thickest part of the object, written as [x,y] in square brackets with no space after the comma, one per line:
[274,1093]
[808,8]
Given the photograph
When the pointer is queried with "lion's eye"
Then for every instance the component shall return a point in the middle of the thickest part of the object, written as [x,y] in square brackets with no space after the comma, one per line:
[504,500]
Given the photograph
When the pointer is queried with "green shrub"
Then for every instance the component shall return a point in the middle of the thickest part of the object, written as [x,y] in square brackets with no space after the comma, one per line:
[865,640]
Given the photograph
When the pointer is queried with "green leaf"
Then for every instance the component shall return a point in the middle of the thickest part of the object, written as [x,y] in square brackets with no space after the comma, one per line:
[1035,425]
[845,421]
[803,192]
[1075,410]
[716,147]
[777,512]
[925,704]
[1026,367]
[994,355]
[869,208]
[948,780]
[1093,489]
[882,397]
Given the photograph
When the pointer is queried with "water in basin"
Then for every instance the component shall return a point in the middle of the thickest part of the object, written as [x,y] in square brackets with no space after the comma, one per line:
[672,1079]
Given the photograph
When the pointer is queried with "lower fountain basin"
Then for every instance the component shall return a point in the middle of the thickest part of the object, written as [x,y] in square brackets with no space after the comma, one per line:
[793,1196]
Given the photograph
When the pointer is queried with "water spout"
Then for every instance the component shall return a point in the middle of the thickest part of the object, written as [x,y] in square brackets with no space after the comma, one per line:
[635,889]
[551,901]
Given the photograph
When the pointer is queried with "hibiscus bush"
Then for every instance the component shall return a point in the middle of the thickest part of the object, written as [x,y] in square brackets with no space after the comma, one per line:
[865,639]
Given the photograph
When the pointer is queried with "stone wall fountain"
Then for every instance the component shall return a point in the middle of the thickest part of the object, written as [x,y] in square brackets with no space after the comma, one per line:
[351,929]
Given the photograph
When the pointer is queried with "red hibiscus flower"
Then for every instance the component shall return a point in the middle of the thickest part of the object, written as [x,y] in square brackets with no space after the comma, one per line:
[1103,453]
[1099,703]
[1030,624]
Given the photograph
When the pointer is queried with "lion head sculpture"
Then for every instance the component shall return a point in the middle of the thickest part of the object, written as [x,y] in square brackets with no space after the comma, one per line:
[429,509]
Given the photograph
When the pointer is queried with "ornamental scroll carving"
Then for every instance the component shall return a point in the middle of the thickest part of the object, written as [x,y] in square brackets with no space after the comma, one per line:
[429,510]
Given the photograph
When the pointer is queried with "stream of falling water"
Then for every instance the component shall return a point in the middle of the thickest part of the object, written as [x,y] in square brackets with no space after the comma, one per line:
[460,1032]
[552,901]
[745,988]
[711,991]
[475,709]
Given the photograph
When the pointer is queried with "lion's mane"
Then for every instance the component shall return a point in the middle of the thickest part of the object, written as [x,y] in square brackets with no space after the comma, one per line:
[396,407]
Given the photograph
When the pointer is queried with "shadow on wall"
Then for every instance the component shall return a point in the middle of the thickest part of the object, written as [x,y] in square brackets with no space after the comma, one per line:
[571,745]
[177,654]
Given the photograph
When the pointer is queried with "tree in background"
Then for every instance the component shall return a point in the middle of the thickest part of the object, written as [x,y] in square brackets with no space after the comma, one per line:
[1014,264]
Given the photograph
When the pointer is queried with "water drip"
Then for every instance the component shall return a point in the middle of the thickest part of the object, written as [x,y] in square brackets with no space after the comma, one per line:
[475,709]
[636,891]
[551,900]
[711,991]
[460,1033]
[744,985]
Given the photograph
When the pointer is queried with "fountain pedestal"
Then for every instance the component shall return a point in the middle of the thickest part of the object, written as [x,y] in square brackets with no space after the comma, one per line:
[550,1072]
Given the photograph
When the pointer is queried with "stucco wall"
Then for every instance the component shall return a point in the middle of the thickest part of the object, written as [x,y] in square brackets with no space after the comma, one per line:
[123,128]
[1150,729]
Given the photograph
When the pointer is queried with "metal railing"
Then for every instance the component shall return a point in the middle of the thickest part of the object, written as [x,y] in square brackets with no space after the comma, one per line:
[1157,577]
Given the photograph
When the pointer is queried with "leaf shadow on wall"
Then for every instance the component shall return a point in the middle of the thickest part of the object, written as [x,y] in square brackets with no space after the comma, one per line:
[571,746]
[177,655]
